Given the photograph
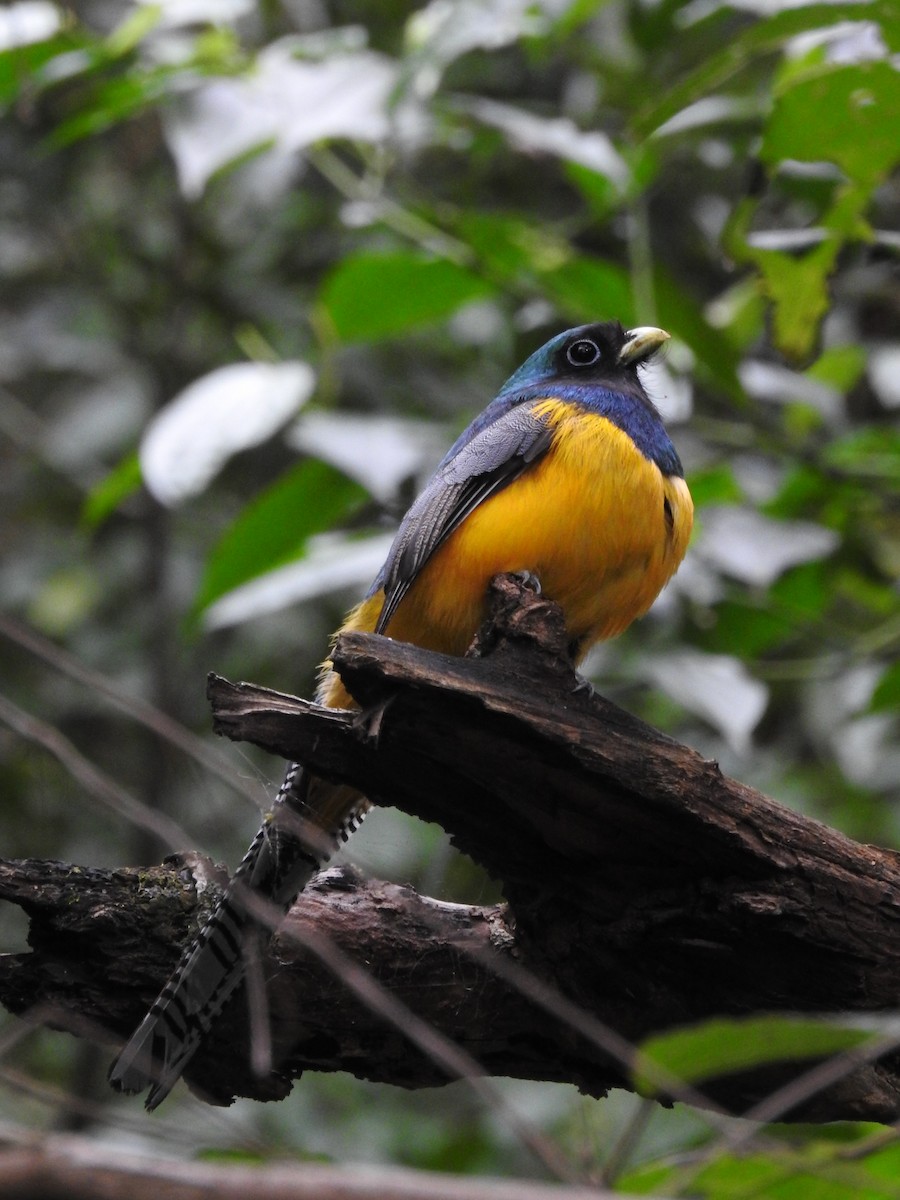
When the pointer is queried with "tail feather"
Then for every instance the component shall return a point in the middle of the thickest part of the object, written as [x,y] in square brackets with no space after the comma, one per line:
[307,823]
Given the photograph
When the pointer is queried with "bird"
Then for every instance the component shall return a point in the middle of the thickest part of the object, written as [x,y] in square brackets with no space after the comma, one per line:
[569,477]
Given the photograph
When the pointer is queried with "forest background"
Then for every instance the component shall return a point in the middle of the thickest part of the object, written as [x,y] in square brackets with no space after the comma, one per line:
[260,263]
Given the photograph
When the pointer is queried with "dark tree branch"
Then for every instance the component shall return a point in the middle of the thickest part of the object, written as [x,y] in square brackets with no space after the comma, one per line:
[647,887]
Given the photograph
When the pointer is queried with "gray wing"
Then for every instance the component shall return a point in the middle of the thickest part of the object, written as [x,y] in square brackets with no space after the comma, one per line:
[488,457]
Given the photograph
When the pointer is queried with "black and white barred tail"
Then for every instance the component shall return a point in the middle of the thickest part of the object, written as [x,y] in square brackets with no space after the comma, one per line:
[309,820]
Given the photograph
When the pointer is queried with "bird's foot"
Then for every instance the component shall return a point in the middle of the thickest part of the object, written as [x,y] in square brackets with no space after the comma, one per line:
[370,720]
[529,580]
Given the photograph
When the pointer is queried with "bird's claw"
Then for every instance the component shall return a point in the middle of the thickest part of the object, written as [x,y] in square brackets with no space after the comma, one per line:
[529,580]
[370,720]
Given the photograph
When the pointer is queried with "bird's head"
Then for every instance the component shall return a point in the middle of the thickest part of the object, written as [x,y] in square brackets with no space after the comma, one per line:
[604,354]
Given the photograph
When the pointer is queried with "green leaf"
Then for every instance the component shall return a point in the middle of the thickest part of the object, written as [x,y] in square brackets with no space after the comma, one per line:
[103,500]
[802,493]
[869,595]
[803,593]
[113,101]
[725,1046]
[872,453]
[885,1164]
[523,255]
[739,313]
[590,289]
[840,367]
[797,284]
[510,249]
[715,485]
[598,190]
[275,528]
[746,631]
[683,317]
[812,1171]
[886,697]
[21,65]
[374,296]
[762,37]
[858,105]
[130,32]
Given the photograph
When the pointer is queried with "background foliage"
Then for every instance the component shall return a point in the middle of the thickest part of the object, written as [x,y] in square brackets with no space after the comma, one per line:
[261,261]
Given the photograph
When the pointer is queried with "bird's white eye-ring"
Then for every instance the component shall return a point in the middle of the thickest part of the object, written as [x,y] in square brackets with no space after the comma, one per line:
[583,353]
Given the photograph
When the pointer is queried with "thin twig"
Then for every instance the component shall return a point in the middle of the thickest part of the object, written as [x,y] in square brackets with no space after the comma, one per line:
[94,781]
[139,710]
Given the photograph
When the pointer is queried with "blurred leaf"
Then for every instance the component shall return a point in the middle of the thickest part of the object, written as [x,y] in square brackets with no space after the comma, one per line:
[884,1163]
[381,452]
[597,188]
[275,528]
[590,289]
[801,494]
[231,1154]
[683,317]
[748,545]
[438,33]
[761,37]
[227,410]
[65,599]
[839,366]
[649,1179]
[583,287]
[871,452]
[110,91]
[113,100]
[130,32]
[514,252]
[738,313]
[715,485]
[327,565]
[604,195]
[746,631]
[796,284]
[886,697]
[801,420]
[20,66]
[103,500]
[804,592]
[717,687]
[858,106]
[858,811]
[370,297]
[245,1156]
[884,374]
[812,1171]
[505,245]
[279,102]
[724,1047]
[871,596]
[28,22]
[555,136]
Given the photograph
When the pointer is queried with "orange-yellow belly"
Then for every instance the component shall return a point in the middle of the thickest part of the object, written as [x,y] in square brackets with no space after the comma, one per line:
[598,523]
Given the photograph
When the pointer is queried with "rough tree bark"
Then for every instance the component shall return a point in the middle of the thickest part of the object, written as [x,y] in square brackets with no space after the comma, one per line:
[644,890]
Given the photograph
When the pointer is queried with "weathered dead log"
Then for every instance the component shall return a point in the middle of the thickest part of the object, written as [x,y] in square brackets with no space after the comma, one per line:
[649,889]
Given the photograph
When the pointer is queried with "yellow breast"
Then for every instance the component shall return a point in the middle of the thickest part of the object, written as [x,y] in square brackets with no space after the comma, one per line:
[598,523]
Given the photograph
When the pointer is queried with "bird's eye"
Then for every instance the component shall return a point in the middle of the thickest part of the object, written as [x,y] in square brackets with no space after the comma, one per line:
[583,353]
